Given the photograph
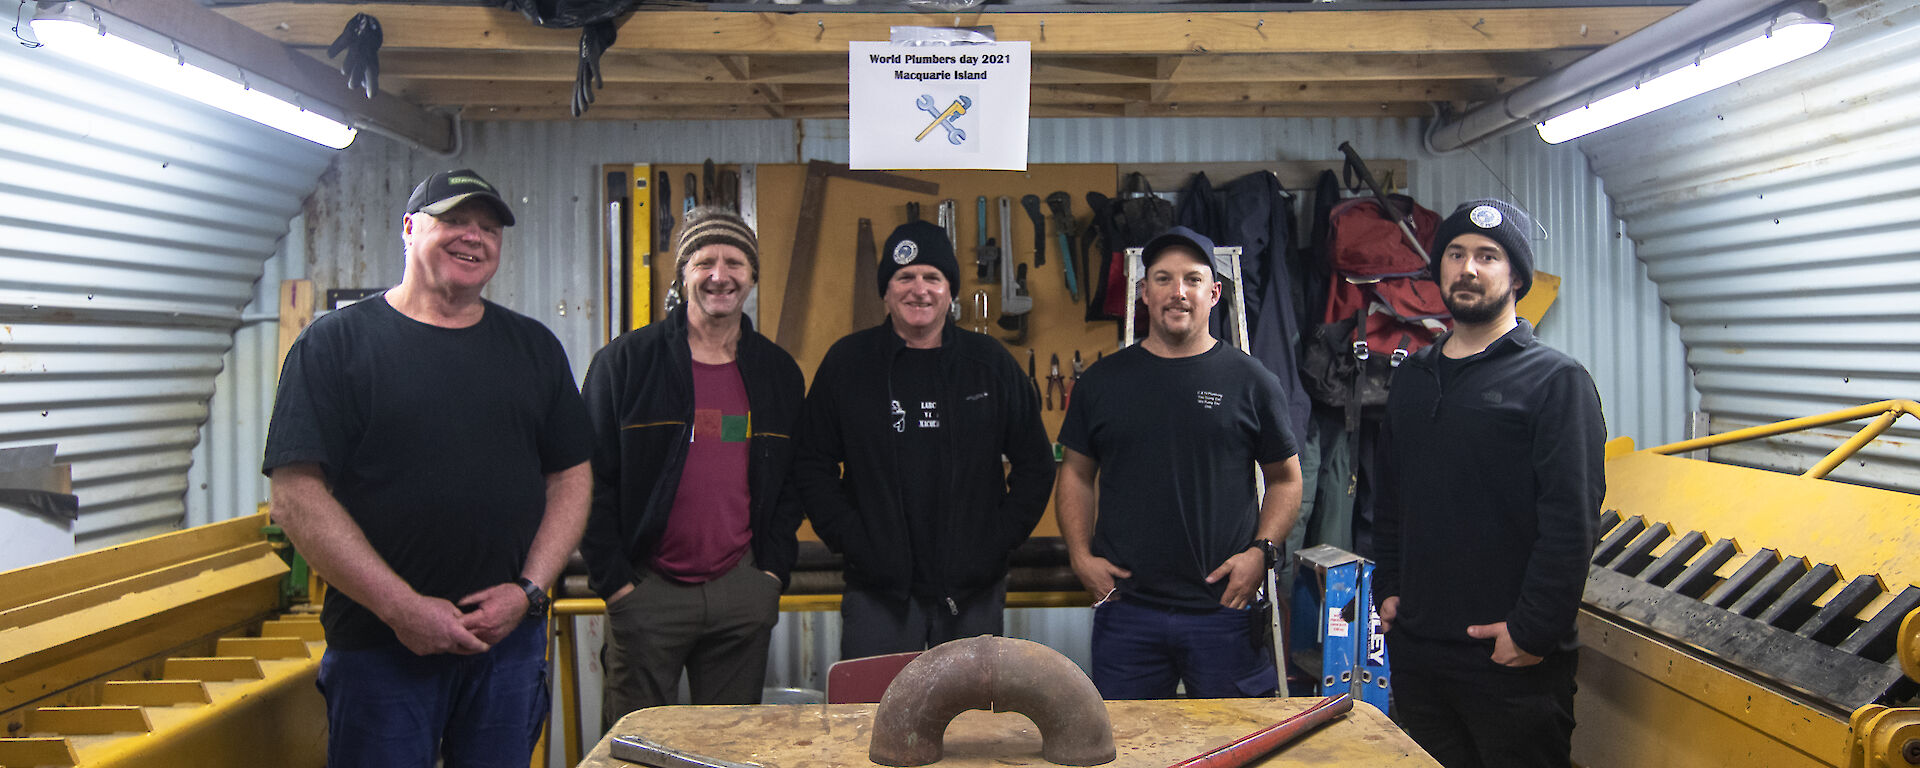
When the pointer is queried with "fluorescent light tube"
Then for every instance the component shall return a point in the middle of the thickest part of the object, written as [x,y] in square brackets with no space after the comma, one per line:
[1684,78]
[107,50]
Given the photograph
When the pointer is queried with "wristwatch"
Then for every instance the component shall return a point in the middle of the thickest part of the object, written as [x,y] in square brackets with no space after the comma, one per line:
[537,601]
[1267,548]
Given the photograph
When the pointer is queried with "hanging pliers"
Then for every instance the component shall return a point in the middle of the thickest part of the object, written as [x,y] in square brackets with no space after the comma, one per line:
[1073,380]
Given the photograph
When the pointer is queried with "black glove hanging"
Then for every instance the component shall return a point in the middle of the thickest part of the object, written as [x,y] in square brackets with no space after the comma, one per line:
[595,39]
[360,39]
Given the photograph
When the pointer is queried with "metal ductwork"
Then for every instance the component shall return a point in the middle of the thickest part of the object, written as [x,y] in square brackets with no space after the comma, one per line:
[1687,26]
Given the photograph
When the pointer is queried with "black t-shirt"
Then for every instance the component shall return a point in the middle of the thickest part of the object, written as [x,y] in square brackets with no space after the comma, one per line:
[920,438]
[1177,440]
[437,441]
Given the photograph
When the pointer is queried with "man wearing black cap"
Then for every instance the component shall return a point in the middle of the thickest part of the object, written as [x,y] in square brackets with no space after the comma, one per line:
[428,455]
[1171,429]
[900,461]
[692,533]
[1492,457]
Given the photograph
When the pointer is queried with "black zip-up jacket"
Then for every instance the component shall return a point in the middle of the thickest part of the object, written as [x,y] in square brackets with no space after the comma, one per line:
[991,409]
[1492,497]
[639,393]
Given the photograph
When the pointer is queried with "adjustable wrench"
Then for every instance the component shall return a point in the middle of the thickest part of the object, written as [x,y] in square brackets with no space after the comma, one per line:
[1014,301]
[944,118]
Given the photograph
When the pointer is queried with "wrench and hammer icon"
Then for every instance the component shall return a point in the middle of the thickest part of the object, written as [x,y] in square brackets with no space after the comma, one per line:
[944,118]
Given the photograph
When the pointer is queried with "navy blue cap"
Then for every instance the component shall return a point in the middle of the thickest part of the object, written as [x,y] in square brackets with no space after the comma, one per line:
[1180,236]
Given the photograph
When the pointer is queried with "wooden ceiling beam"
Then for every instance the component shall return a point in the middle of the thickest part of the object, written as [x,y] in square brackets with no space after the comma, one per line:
[1330,30]
[1346,109]
[827,112]
[1331,91]
[1047,70]
[736,67]
[1094,69]
[618,112]
[1313,98]
[1270,67]
[522,94]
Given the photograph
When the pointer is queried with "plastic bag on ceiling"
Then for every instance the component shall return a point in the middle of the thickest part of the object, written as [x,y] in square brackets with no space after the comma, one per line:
[569,14]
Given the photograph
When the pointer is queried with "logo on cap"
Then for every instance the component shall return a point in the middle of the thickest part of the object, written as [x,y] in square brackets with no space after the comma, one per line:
[905,252]
[1485,217]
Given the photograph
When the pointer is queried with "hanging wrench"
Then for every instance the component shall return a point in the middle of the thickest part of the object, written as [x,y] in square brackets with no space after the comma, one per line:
[955,134]
[944,118]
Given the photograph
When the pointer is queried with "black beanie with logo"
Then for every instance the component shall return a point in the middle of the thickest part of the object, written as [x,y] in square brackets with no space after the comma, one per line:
[919,242]
[1498,220]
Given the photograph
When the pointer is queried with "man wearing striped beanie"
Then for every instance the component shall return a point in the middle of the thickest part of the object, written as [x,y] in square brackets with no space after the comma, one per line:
[691,538]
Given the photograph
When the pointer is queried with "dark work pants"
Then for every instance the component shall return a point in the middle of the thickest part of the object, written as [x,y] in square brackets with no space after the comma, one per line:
[718,631]
[874,624]
[1492,717]
[387,707]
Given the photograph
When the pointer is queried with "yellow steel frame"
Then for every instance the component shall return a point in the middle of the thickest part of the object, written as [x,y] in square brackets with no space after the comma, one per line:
[1647,699]
[1884,413]
[83,632]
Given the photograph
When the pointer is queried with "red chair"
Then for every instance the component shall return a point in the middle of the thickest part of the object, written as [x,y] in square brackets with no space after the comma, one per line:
[864,681]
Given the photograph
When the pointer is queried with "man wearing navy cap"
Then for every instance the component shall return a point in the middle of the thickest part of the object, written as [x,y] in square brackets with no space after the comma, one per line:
[900,463]
[428,455]
[1492,455]
[1171,429]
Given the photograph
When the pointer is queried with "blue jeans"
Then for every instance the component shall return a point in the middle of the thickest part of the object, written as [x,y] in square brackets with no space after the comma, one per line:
[1143,652]
[388,707]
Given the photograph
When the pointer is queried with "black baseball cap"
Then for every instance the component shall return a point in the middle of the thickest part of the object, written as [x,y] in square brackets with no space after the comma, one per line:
[1180,236]
[443,191]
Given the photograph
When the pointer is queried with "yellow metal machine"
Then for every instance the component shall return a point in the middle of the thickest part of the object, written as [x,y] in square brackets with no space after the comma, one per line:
[1738,616]
[176,650]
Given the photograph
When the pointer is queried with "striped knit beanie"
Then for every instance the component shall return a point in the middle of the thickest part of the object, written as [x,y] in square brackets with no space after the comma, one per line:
[706,226]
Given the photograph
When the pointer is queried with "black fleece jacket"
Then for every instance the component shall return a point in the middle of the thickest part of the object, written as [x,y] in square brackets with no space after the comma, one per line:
[1493,494]
[991,410]
[639,393]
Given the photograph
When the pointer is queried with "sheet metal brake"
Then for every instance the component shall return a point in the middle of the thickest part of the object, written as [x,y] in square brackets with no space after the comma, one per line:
[1744,615]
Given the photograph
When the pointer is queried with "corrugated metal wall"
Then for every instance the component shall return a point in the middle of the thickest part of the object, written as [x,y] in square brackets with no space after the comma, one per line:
[1778,218]
[225,480]
[549,267]
[132,228]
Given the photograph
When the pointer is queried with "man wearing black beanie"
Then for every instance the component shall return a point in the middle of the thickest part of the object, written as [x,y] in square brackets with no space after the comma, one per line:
[1492,459]
[899,460]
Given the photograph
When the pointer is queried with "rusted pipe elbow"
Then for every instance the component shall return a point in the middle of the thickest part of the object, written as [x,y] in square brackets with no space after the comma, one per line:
[1000,674]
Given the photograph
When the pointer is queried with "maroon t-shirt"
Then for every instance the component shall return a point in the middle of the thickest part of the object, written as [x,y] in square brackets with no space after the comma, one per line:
[708,532]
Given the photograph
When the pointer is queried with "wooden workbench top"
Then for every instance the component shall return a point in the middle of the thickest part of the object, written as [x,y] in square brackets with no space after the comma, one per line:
[1148,734]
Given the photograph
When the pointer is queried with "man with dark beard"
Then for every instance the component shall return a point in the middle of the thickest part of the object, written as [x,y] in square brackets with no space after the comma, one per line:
[1492,459]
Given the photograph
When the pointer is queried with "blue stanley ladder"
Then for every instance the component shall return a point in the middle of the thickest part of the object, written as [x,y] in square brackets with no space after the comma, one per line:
[1331,588]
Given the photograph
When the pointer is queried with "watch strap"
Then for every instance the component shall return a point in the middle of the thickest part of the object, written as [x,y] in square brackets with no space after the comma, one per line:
[537,600]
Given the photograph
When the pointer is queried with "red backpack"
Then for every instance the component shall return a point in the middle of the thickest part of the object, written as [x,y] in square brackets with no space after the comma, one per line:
[1375,271]
[1379,285]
